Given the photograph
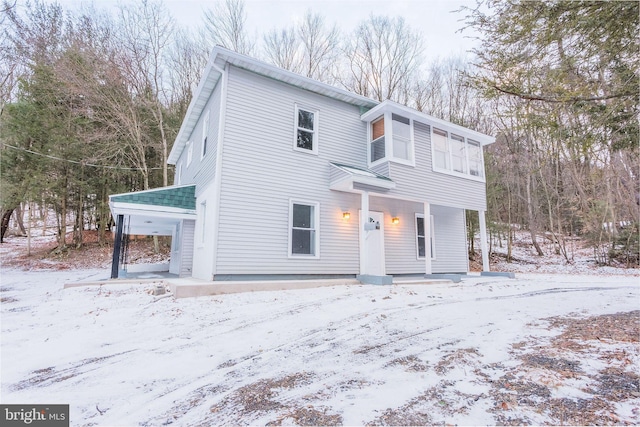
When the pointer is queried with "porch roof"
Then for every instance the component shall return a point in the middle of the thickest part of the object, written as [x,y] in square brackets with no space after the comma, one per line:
[156,211]
[349,177]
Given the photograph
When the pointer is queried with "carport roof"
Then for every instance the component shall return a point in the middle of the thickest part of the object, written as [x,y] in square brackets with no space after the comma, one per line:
[182,197]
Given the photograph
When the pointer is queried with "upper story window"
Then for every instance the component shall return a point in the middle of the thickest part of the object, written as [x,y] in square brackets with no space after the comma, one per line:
[189,152]
[306,130]
[205,134]
[456,154]
[377,140]
[399,146]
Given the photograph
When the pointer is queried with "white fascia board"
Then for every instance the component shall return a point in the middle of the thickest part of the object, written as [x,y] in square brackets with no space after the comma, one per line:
[346,183]
[290,77]
[219,56]
[118,208]
[151,190]
[394,107]
[207,83]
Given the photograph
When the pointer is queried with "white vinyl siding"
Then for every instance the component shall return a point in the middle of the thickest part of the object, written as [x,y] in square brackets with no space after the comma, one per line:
[198,170]
[257,184]
[450,240]
[186,263]
[423,183]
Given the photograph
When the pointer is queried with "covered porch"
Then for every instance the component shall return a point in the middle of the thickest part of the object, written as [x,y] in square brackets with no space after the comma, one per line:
[166,211]
[404,236]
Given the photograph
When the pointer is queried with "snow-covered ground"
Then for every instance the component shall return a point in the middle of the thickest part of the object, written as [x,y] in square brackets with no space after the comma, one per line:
[540,349]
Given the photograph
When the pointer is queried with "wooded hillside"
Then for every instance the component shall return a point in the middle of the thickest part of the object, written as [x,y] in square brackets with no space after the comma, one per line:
[91,102]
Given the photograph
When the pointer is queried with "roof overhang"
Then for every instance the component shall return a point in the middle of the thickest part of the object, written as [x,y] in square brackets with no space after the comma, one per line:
[213,71]
[353,176]
[393,107]
[154,212]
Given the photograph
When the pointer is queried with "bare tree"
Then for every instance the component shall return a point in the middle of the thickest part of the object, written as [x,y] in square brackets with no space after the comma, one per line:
[282,48]
[382,56]
[225,25]
[321,44]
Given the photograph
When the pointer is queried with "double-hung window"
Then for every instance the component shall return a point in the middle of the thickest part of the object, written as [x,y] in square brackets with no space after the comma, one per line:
[303,228]
[306,130]
[421,237]
[205,134]
[441,148]
[475,157]
[401,127]
[458,154]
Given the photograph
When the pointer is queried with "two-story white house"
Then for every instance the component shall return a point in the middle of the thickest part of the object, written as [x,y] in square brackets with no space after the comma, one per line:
[281,176]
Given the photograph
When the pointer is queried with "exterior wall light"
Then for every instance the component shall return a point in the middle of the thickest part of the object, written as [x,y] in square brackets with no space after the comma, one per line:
[395,220]
[346,216]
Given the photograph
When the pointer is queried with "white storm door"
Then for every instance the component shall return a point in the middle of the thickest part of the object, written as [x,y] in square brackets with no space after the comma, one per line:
[374,245]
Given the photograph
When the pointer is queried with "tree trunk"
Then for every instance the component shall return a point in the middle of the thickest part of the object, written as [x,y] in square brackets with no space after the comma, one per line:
[531,218]
[18,216]
[6,216]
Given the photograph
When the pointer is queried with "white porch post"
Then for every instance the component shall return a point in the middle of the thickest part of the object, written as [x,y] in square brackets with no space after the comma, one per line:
[364,218]
[484,247]
[427,238]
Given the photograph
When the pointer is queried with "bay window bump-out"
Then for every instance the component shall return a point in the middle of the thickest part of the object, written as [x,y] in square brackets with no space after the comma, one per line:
[306,130]
[303,229]
[391,139]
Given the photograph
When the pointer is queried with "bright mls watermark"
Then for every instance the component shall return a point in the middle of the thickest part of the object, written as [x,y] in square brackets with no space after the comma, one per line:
[34,415]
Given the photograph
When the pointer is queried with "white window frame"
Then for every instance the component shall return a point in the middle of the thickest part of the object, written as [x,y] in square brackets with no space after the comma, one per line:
[450,171]
[432,236]
[389,155]
[189,152]
[296,127]
[316,228]
[205,134]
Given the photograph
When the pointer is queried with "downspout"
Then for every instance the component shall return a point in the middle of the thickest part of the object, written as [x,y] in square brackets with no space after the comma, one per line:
[217,183]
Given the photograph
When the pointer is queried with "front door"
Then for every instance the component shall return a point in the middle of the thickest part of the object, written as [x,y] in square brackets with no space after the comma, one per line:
[374,244]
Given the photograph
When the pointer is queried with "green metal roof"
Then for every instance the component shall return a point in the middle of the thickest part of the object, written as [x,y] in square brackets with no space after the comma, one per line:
[365,172]
[183,197]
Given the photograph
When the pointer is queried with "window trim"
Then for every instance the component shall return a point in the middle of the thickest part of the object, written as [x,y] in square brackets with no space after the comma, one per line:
[432,236]
[296,127]
[205,134]
[467,174]
[316,215]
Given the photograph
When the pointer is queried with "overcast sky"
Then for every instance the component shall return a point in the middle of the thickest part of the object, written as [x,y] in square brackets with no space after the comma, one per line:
[434,18]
